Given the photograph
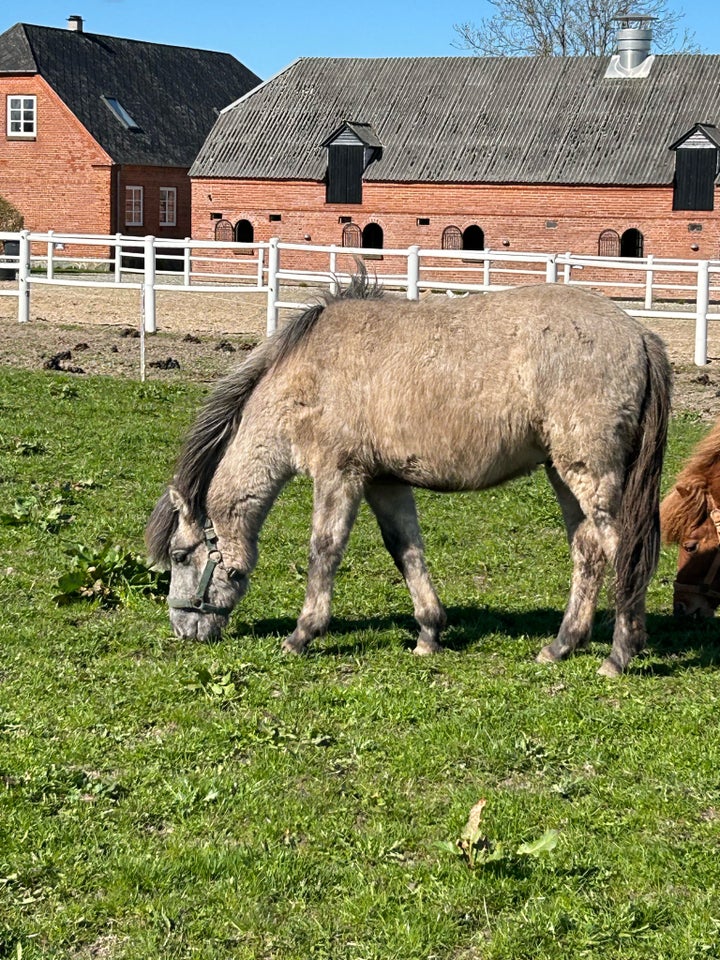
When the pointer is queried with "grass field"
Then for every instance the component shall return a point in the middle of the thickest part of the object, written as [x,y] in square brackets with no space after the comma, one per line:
[166,799]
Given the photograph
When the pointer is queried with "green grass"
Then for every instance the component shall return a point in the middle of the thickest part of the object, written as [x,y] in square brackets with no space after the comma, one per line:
[170,799]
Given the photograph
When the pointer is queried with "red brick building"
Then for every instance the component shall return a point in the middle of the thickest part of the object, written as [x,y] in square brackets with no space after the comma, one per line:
[98,133]
[597,155]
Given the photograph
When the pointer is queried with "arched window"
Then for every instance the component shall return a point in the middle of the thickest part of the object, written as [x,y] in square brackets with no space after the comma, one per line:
[452,238]
[631,243]
[351,236]
[609,244]
[224,231]
[473,238]
[244,232]
[372,236]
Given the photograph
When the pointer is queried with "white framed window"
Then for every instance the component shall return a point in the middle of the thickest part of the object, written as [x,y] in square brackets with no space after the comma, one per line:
[168,206]
[22,116]
[133,206]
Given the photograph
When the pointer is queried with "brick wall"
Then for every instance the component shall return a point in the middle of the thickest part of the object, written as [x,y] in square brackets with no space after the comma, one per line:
[64,181]
[61,180]
[514,217]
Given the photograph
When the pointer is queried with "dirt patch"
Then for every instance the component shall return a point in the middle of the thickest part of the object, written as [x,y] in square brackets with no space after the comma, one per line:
[203,336]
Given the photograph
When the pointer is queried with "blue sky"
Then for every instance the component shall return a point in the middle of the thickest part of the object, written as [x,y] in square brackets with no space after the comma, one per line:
[266,36]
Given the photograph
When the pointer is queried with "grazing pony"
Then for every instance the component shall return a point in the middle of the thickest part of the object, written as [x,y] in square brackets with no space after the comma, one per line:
[690,517]
[372,396]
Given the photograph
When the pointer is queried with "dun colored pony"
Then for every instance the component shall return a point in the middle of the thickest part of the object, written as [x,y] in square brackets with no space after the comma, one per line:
[690,517]
[373,396]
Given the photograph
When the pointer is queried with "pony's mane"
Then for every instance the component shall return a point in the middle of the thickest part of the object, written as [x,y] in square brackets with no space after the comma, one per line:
[221,414]
[704,457]
[685,507]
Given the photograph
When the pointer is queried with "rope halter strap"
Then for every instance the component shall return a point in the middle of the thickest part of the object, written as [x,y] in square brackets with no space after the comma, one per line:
[198,602]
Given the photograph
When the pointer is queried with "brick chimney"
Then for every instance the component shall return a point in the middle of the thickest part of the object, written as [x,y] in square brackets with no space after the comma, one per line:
[75,23]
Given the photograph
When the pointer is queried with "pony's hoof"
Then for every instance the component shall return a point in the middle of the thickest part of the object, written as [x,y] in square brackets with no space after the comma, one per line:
[426,648]
[295,647]
[609,668]
[546,656]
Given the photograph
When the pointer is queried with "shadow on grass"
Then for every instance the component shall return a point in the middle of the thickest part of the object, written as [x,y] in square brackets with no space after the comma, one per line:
[673,645]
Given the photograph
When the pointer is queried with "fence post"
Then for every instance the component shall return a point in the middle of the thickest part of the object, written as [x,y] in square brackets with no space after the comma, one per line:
[702,303]
[118,258]
[187,264]
[273,286]
[334,286]
[567,275]
[486,271]
[649,282]
[413,273]
[148,290]
[260,267]
[49,269]
[551,270]
[23,277]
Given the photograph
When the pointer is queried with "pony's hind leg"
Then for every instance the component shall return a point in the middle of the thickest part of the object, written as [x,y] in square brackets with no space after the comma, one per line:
[589,562]
[335,504]
[394,507]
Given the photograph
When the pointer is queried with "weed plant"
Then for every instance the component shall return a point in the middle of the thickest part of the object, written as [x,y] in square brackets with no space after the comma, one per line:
[168,799]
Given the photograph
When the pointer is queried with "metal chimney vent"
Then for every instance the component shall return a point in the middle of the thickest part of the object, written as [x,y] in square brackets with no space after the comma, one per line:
[75,23]
[634,40]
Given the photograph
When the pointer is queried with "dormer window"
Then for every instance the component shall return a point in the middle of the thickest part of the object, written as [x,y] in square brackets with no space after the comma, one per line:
[696,168]
[351,149]
[120,113]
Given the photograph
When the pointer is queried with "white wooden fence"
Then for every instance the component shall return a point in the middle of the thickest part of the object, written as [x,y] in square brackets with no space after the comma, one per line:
[654,287]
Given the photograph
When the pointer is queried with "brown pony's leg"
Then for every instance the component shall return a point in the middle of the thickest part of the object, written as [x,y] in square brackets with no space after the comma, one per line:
[394,507]
[335,504]
[589,563]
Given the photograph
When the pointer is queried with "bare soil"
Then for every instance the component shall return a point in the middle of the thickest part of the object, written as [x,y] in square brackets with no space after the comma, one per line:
[202,336]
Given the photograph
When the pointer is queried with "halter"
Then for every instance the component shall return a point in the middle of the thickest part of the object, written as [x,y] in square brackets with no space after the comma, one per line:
[705,588]
[198,603]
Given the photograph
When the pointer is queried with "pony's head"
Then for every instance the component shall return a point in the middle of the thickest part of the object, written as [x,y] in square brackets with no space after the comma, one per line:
[204,589]
[690,517]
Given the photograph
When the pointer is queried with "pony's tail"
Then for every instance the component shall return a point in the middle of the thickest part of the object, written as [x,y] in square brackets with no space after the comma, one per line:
[639,519]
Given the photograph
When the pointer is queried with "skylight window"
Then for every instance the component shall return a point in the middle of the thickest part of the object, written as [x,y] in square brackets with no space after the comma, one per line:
[119,111]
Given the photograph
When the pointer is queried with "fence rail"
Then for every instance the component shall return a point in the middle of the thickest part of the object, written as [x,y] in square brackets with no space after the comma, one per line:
[152,264]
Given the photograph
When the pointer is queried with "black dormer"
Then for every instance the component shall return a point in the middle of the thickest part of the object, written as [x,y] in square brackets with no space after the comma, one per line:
[696,168]
[351,149]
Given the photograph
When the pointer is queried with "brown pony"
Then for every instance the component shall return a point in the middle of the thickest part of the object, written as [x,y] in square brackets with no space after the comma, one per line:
[690,517]
[372,396]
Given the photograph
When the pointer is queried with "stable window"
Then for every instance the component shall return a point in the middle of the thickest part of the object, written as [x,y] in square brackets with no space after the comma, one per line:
[372,239]
[133,206]
[168,206]
[632,243]
[609,244]
[224,231]
[452,238]
[22,117]
[351,235]
[473,238]
[244,233]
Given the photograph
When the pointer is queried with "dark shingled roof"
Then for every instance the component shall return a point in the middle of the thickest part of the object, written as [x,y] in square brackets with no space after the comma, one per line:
[470,119]
[174,94]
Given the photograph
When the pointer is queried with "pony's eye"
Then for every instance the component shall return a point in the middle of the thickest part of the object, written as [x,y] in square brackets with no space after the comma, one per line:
[179,556]
[691,546]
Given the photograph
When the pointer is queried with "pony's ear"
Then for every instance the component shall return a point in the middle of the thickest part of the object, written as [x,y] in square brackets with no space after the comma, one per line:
[179,503]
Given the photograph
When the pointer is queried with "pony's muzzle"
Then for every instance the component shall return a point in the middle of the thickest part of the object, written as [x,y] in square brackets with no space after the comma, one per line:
[188,625]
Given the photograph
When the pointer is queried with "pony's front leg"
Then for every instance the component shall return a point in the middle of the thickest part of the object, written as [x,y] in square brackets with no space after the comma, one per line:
[394,507]
[335,506]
